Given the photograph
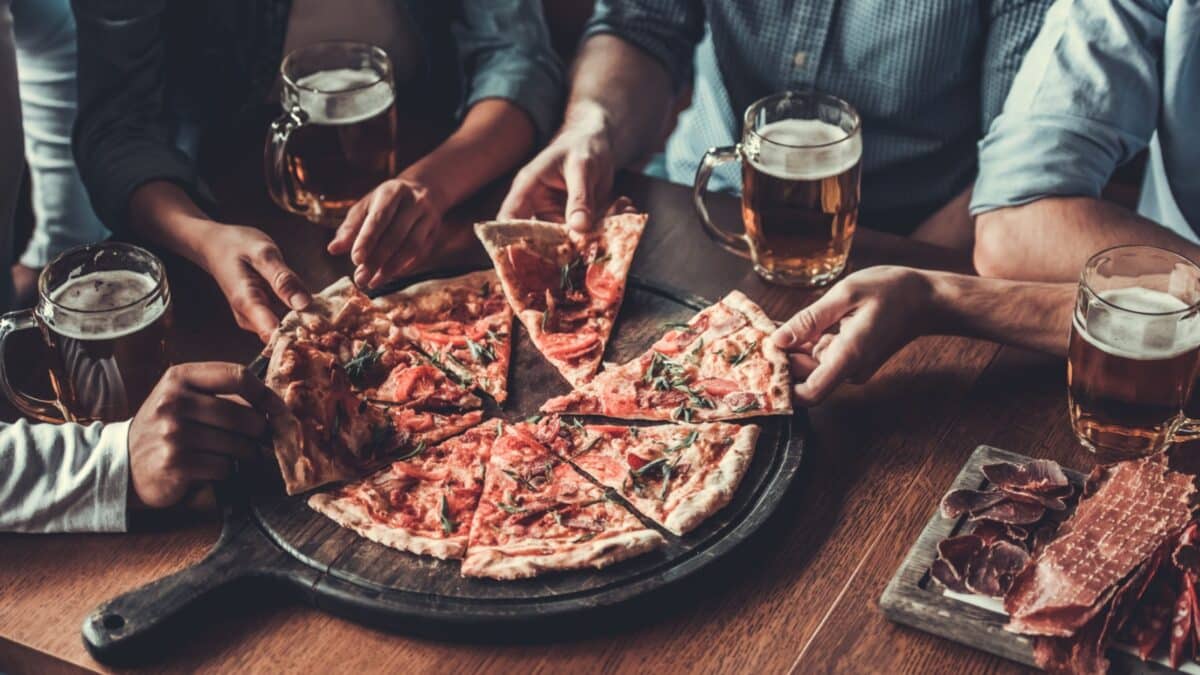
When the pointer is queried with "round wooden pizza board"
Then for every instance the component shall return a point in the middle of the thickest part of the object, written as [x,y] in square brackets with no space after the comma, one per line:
[278,538]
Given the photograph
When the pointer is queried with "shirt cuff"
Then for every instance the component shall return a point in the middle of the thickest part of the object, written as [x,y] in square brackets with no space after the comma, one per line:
[1025,158]
[112,478]
[529,85]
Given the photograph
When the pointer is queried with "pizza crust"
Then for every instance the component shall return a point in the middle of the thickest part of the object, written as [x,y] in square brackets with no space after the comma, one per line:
[299,467]
[353,516]
[718,491]
[499,562]
[320,312]
[778,388]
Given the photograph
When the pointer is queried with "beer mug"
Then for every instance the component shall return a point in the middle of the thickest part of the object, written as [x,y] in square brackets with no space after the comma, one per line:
[1134,352]
[800,156]
[336,139]
[104,311]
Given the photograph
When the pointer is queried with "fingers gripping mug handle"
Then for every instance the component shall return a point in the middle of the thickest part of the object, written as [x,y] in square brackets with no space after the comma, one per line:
[712,158]
[31,406]
[275,160]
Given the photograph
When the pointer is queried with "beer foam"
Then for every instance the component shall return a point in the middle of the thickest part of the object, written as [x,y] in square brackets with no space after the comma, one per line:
[96,292]
[791,163]
[363,96]
[1140,337]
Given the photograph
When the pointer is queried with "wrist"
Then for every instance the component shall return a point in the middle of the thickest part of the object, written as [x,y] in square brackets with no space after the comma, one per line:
[425,175]
[941,301]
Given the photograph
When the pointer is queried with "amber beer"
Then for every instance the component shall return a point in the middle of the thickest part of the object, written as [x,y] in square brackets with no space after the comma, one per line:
[337,139]
[801,209]
[104,312]
[1132,362]
[801,158]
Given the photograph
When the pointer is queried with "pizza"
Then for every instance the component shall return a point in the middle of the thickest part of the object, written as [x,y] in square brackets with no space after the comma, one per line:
[463,325]
[539,514]
[677,474]
[720,365]
[423,502]
[566,287]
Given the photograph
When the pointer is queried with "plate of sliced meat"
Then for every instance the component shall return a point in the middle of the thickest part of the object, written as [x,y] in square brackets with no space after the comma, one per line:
[1051,568]
[424,488]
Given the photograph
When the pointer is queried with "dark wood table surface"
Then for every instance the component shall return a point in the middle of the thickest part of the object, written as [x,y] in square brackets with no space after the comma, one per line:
[799,596]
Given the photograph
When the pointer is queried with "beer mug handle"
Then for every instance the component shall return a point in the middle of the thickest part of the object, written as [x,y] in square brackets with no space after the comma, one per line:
[31,406]
[275,161]
[712,158]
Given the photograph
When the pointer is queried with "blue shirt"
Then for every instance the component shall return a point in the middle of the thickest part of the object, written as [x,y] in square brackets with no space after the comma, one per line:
[926,77]
[1100,80]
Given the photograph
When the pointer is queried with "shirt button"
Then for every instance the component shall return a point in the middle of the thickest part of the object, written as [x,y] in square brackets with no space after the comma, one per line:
[799,59]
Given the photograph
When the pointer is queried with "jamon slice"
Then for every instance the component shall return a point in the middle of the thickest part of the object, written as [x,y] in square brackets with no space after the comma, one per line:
[463,324]
[1039,476]
[421,503]
[538,514]
[1138,507]
[721,366]
[677,474]
[566,287]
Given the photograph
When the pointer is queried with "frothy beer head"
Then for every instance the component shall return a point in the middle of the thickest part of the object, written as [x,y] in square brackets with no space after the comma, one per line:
[365,96]
[826,149]
[1140,336]
[104,305]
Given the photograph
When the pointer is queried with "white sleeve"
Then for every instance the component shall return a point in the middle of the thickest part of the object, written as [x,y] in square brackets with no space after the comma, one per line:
[63,477]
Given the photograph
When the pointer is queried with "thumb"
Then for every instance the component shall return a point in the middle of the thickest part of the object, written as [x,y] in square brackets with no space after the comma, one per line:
[808,324]
[580,211]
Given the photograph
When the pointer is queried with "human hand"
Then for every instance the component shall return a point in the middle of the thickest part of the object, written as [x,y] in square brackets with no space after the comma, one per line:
[187,433]
[250,270]
[569,181]
[390,229]
[875,311]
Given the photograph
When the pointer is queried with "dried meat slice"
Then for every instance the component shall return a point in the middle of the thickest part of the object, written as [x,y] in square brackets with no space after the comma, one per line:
[1011,512]
[565,287]
[423,502]
[958,503]
[720,366]
[537,514]
[1135,510]
[1037,476]
[991,573]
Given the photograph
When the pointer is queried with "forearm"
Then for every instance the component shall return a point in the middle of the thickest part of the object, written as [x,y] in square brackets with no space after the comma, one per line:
[1051,239]
[164,214]
[495,135]
[621,92]
[1021,313]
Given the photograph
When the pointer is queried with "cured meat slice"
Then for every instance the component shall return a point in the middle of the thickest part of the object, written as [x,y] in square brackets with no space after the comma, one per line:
[1140,505]
[1012,513]
[960,502]
[992,571]
[1039,475]
[953,558]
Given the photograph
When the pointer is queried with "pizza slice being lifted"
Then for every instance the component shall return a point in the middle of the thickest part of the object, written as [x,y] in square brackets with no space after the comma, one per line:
[423,502]
[721,365]
[566,287]
[538,514]
[677,474]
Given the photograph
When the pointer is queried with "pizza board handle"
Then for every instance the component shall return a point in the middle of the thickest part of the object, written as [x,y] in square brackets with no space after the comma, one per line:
[121,630]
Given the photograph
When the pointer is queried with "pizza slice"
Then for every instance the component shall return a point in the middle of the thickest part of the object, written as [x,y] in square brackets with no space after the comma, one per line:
[721,365]
[330,434]
[537,514]
[677,474]
[463,324]
[566,287]
[423,502]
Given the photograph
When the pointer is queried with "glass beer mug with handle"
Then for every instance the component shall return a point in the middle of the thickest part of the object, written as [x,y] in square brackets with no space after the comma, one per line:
[801,165]
[336,139]
[1134,352]
[104,312]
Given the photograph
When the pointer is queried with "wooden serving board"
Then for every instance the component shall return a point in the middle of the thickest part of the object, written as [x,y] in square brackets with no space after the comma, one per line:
[914,598]
[274,538]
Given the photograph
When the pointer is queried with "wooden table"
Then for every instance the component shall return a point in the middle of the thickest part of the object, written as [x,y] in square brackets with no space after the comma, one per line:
[800,596]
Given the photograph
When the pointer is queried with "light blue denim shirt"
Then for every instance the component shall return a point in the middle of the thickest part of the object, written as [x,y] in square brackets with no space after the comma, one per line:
[1101,79]
[926,77]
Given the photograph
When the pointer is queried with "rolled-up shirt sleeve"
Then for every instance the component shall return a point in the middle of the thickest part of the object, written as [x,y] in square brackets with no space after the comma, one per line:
[505,51]
[667,30]
[1084,101]
[124,133]
[63,478]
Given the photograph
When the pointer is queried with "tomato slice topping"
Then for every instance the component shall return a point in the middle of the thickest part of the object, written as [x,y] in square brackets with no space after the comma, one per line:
[602,285]
[718,387]
[609,429]
[530,271]
[407,384]
[568,346]
[634,461]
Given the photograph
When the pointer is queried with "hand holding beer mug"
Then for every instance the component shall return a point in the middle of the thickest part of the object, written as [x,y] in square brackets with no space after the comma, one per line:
[1134,352]
[336,139]
[800,155]
[104,311]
